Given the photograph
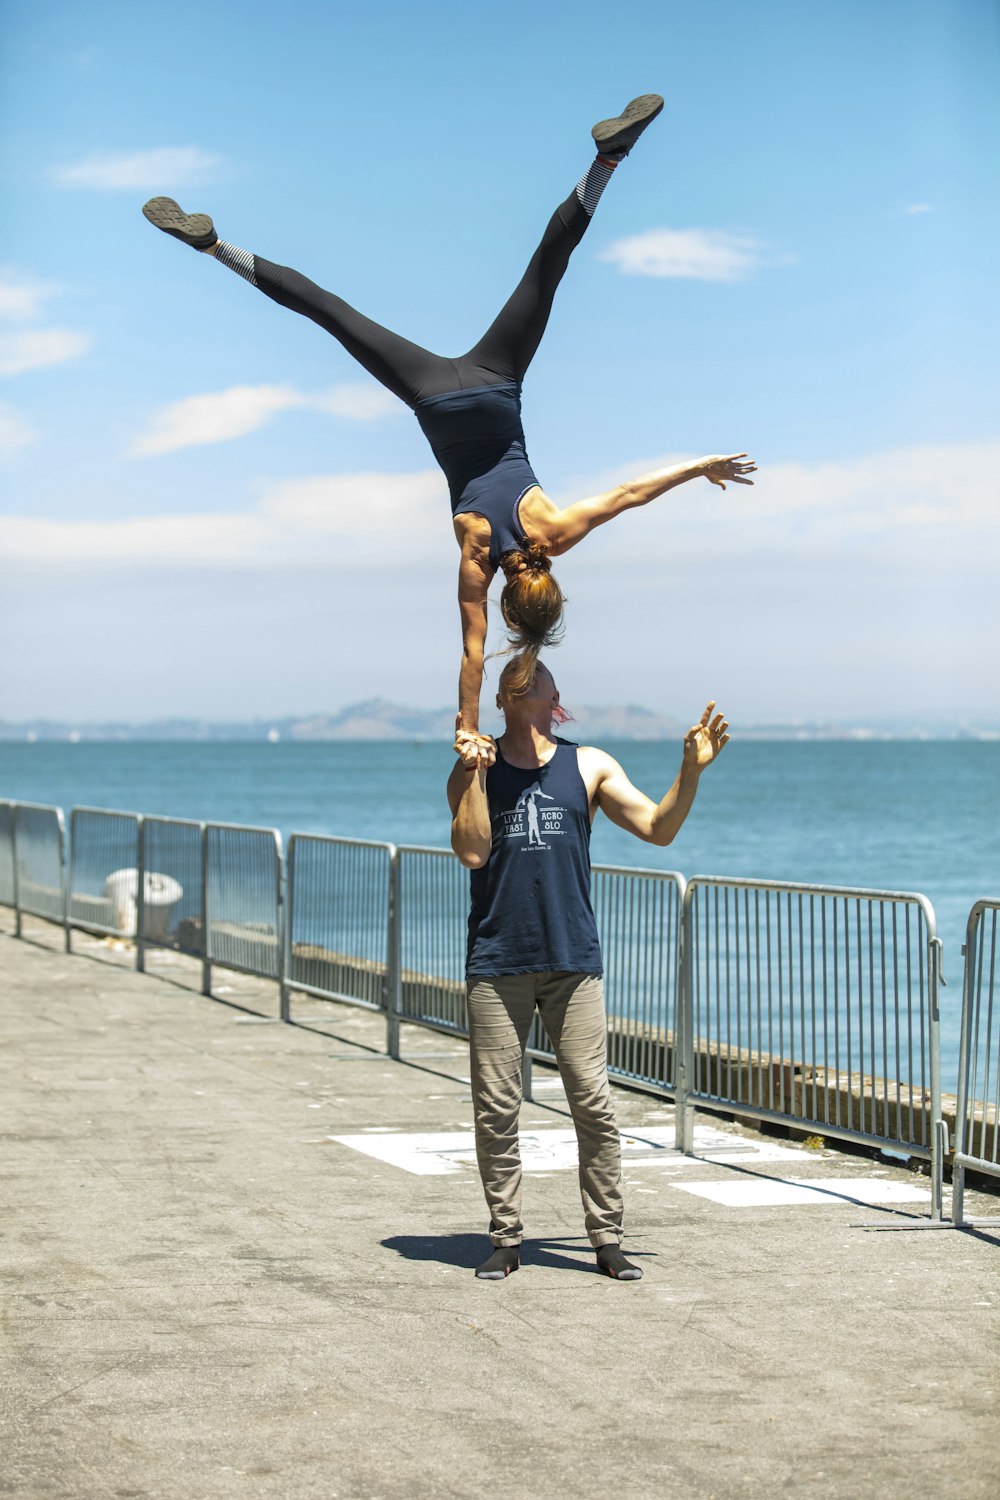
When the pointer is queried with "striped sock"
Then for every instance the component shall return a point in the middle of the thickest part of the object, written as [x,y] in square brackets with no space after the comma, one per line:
[240,261]
[594,181]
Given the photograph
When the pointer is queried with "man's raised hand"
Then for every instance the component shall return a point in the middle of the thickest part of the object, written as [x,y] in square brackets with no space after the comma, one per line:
[734,468]
[704,741]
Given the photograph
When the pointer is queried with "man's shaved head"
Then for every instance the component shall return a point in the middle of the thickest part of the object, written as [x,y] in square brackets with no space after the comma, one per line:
[542,684]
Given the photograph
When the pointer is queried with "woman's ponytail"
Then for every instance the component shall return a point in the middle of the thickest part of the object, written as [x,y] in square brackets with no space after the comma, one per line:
[532,605]
[518,676]
[532,601]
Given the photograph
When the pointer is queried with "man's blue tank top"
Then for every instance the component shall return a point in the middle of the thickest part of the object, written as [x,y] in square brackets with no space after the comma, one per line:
[478,440]
[531,911]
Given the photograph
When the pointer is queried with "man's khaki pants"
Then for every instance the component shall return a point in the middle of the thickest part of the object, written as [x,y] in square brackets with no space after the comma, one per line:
[501,1007]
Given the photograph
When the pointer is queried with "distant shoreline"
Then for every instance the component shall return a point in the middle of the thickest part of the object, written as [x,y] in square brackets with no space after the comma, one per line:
[378,721]
[579,730]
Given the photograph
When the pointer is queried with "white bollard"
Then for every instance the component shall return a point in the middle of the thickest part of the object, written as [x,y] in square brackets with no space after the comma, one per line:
[162,897]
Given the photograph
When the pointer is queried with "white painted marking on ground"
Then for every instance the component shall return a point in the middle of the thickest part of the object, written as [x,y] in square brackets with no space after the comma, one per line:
[710,1144]
[440,1153]
[434,1155]
[771,1193]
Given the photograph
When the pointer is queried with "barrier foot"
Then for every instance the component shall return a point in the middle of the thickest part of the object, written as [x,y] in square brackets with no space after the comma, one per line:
[940,1151]
[933,1224]
[683,1121]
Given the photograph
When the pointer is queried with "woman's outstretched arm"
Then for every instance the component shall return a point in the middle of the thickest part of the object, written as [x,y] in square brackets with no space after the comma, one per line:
[571,525]
[474,578]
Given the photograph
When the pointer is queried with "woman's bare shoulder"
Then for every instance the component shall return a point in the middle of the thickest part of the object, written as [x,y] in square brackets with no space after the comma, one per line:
[472,532]
[537,514]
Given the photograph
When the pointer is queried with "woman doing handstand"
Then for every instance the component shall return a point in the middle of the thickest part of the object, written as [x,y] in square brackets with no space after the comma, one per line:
[470,411]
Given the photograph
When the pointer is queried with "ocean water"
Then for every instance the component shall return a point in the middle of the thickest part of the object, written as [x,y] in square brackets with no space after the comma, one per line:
[906,816]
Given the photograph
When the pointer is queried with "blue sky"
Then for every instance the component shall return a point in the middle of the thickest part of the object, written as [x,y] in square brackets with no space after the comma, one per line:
[209,510]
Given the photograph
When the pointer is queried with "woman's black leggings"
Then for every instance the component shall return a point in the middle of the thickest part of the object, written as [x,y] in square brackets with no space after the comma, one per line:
[503,353]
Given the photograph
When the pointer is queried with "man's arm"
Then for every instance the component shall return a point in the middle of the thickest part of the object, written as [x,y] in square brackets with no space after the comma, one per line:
[658,822]
[471,833]
[574,522]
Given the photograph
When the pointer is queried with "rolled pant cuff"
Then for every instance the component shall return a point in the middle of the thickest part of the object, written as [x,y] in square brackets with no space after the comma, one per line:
[504,1240]
[606,1237]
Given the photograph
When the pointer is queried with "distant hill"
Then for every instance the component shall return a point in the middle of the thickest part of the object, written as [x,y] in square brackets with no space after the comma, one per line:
[375,719]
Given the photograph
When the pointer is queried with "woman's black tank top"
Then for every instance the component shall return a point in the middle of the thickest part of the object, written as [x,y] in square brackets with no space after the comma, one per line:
[478,440]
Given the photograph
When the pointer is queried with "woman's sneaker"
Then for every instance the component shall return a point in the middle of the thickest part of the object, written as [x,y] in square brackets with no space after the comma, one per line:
[617,137]
[196,230]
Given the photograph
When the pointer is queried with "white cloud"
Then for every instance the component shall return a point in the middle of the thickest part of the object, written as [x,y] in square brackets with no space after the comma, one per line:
[362,509]
[21,299]
[323,519]
[916,505]
[164,168]
[198,539]
[918,208]
[221,416]
[692,254]
[36,348]
[214,418]
[15,433]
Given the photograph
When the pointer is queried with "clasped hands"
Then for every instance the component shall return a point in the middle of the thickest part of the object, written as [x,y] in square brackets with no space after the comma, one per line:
[477,752]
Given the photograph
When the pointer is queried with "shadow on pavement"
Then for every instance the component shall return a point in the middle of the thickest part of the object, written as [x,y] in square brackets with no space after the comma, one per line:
[468,1250]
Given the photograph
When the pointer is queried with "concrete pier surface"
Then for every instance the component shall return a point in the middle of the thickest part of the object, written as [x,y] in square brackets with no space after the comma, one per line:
[209,1292]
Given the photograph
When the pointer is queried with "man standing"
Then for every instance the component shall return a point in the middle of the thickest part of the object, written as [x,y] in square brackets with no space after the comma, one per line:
[533,940]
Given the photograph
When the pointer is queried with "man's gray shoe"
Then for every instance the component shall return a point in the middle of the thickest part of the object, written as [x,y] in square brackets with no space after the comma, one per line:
[621,133]
[196,230]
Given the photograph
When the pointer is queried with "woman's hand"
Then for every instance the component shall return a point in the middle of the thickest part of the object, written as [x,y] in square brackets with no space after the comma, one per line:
[475,751]
[705,740]
[719,469]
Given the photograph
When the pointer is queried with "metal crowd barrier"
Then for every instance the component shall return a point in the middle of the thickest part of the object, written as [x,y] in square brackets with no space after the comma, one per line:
[241,898]
[103,882]
[170,913]
[338,919]
[817,1006]
[40,863]
[811,1006]
[8,867]
[433,912]
[977,1122]
[639,920]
